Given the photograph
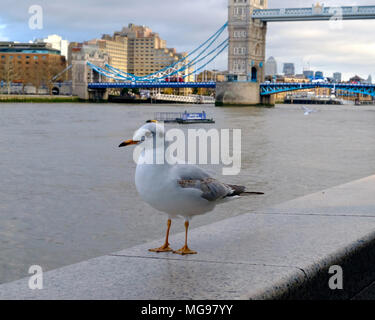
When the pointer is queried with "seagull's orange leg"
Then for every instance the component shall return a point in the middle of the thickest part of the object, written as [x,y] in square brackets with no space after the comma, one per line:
[165,247]
[185,249]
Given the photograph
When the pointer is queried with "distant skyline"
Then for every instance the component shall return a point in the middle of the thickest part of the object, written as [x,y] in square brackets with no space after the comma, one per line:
[350,50]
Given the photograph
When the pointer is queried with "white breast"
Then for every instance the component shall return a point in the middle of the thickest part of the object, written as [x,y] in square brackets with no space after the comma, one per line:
[157,186]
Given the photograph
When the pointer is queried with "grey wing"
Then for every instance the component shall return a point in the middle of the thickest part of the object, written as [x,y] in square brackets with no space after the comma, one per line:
[212,190]
[193,177]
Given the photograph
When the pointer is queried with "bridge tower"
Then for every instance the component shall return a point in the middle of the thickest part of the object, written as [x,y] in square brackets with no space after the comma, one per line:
[246,54]
[247,41]
[82,74]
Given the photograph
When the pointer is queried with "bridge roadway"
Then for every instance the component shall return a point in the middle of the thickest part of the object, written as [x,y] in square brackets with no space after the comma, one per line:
[315,13]
[265,88]
[150,85]
[272,88]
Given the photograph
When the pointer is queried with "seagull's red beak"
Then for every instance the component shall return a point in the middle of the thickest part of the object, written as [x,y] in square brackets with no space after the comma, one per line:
[128,143]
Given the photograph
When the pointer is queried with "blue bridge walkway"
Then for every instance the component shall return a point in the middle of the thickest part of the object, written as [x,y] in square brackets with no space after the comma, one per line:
[150,85]
[273,88]
[265,88]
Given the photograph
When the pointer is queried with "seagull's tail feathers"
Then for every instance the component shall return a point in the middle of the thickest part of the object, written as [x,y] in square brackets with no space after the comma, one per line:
[241,191]
[251,193]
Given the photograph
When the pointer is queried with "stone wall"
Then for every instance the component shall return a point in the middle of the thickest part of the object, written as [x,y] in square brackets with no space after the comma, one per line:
[237,93]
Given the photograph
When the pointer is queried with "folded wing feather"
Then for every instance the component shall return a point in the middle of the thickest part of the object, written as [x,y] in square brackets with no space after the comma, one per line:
[193,177]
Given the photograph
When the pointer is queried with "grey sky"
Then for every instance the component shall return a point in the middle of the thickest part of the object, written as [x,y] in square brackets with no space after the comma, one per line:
[185,24]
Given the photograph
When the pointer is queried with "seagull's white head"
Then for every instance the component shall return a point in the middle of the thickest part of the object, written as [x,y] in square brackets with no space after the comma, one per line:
[150,130]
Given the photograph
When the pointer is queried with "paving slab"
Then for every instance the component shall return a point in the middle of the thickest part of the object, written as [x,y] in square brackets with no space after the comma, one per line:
[148,279]
[310,243]
[355,198]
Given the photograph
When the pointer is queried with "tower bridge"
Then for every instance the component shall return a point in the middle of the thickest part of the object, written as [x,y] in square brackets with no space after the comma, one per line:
[246,45]
[247,27]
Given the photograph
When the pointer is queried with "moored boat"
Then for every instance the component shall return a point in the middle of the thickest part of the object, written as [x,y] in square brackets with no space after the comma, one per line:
[183,118]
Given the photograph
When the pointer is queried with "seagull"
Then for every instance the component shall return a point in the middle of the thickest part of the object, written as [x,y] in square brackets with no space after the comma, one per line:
[308,111]
[179,190]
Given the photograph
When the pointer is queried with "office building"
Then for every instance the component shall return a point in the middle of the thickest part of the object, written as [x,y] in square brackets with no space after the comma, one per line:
[147,52]
[309,74]
[271,67]
[117,49]
[319,75]
[289,69]
[30,63]
[57,43]
[337,77]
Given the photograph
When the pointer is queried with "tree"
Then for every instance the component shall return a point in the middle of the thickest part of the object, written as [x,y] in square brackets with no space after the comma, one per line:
[36,78]
[50,71]
[42,72]
[8,72]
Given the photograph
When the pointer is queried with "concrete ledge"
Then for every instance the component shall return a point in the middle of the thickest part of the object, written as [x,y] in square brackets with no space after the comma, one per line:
[281,253]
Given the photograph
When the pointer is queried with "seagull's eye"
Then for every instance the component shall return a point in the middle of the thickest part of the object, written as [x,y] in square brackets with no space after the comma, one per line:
[143,138]
[148,133]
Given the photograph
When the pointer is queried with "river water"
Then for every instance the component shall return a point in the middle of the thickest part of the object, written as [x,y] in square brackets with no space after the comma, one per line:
[67,191]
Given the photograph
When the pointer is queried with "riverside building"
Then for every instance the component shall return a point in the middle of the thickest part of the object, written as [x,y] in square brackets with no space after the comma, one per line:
[30,63]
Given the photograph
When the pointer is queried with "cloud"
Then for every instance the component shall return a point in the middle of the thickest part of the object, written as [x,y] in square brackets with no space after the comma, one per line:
[2,36]
[349,50]
[185,24]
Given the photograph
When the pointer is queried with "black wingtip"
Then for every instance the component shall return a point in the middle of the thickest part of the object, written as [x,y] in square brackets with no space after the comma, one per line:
[254,193]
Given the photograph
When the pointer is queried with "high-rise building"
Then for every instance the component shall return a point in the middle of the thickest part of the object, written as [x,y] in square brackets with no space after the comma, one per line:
[117,49]
[319,75]
[147,52]
[57,43]
[289,69]
[369,79]
[309,74]
[271,67]
[337,77]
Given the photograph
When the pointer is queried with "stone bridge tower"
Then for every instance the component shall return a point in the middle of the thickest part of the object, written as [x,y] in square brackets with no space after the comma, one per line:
[82,74]
[246,56]
[247,41]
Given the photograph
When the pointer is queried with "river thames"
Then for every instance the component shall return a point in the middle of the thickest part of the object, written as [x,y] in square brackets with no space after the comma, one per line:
[67,191]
